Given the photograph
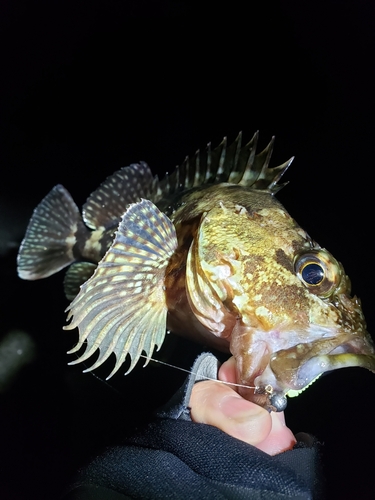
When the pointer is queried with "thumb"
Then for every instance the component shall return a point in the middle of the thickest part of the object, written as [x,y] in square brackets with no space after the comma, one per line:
[218,405]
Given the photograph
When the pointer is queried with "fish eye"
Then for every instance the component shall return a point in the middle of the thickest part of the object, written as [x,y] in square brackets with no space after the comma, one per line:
[319,272]
[312,273]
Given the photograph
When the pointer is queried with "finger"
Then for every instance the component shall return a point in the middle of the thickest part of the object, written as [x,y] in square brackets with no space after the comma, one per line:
[227,371]
[280,438]
[218,405]
[221,406]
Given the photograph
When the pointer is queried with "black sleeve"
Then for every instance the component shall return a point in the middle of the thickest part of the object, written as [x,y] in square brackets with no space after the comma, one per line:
[175,458]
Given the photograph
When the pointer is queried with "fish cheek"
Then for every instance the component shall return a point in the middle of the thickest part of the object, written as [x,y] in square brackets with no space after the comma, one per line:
[283,260]
[273,295]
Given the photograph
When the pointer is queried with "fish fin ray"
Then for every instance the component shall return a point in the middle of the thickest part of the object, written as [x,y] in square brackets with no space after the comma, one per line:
[53,230]
[107,204]
[75,276]
[130,275]
[235,164]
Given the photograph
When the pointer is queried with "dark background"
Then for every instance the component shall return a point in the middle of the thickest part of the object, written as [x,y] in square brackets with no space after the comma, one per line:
[88,87]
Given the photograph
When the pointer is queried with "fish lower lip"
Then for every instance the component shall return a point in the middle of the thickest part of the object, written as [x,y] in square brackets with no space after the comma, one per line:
[297,367]
[338,358]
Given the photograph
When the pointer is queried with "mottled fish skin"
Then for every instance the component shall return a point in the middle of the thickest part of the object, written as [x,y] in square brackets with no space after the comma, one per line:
[208,253]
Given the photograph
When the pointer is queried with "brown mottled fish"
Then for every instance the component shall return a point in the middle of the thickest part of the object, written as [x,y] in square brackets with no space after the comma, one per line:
[208,253]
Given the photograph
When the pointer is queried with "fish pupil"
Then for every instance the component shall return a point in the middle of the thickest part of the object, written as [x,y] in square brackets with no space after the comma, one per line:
[313,274]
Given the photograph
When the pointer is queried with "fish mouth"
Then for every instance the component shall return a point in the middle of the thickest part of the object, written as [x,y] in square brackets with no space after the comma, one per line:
[340,357]
[292,370]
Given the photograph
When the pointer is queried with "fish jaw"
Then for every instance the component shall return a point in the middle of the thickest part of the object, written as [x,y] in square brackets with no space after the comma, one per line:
[271,374]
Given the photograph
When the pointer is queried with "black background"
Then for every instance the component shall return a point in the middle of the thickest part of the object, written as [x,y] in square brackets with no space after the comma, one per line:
[88,87]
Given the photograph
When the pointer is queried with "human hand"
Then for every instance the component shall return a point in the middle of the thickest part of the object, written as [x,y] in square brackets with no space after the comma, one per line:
[221,406]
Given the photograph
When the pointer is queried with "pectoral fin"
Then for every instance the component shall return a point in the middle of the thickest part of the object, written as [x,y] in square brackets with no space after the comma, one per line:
[122,308]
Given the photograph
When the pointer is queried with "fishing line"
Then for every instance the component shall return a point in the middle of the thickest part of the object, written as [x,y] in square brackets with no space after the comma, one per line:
[105,382]
[170,366]
[102,380]
[194,373]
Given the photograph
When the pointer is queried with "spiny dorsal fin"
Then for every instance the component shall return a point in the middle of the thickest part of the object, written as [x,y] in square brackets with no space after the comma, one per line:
[235,164]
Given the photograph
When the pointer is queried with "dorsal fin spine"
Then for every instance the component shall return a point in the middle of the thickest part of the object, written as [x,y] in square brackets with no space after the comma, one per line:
[235,164]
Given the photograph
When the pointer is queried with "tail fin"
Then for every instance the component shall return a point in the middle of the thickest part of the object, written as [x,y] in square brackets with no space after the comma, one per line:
[50,236]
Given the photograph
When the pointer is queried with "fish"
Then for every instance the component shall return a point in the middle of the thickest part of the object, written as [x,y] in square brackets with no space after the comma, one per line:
[208,253]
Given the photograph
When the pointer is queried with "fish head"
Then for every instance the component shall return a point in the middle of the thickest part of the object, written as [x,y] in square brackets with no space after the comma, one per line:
[283,303]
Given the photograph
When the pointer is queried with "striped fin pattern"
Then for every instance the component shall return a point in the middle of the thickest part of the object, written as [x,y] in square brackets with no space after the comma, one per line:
[108,203]
[50,236]
[78,273]
[235,164]
[122,308]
